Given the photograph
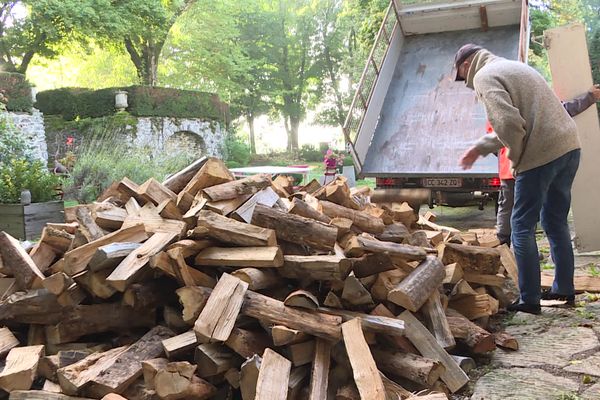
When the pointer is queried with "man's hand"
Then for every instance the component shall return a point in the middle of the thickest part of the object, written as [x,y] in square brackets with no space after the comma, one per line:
[595,90]
[469,158]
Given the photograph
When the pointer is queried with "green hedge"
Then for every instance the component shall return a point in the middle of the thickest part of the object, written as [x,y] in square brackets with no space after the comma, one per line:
[144,101]
[17,91]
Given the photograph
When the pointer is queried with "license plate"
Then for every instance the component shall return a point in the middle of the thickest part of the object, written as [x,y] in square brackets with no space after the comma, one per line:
[442,182]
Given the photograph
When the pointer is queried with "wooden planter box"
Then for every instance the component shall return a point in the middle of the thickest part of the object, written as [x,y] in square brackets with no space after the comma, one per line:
[27,222]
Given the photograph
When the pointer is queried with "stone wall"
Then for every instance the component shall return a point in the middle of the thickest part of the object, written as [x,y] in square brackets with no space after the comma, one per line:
[32,126]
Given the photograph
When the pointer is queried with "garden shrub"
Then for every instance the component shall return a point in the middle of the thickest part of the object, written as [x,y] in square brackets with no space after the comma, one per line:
[17,91]
[309,153]
[237,151]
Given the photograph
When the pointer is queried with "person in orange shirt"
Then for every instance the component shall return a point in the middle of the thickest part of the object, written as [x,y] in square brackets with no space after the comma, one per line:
[507,188]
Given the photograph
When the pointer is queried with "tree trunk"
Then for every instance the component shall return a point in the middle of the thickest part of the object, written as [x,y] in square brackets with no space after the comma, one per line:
[293,134]
[250,120]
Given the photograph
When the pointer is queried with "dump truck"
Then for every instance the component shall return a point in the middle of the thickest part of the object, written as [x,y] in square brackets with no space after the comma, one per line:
[410,122]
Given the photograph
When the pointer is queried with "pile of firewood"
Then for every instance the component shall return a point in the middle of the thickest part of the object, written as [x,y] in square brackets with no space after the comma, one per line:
[207,287]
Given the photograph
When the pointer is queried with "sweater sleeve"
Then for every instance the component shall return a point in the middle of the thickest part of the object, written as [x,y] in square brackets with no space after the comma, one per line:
[488,144]
[506,119]
[579,104]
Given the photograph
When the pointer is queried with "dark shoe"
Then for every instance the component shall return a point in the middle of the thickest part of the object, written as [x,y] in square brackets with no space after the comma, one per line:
[523,307]
[548,295]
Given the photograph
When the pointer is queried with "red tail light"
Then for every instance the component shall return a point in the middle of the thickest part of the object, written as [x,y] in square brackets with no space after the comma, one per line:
[384,181]
[494,181]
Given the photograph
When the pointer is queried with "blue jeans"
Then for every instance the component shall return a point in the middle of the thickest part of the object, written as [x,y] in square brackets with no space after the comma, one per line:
[544,191]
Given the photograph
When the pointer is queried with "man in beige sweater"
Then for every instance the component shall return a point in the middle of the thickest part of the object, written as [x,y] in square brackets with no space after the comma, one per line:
[544,152]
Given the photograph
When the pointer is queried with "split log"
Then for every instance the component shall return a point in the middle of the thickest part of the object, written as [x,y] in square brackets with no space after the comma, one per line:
[466,363]
[319,379]
[421,370]
[301,353]
[477,339]
[32,307]
[359,245]
[110,217]
[154,192]
[355,293]
[319,268]
[249,377]
[425,342]
[454,273]
[366,375]
[150,294]
[19,262]
[87,226]
[131,266]
[371,264]
[283,335]
[153,222]
[233,189]
[60,240]
[273,377]
[72,296]
[510,263]
[266,197]
[8,341]
[189,247]
[484,279]
[360,219]
[111,255]
[395,232]
[76,260]
[177,381]
[332,300]
[21,368]
[174,265]
[8,286]
[258,257]
[297,382]
[228,230]
[218,316]
[57,283]
[43,256]
[583,283]
[179,180]
[370,323]
[303,209]
[213,359]
[113,373]
[213,172]
[433,311]
[473,306]
[475,259]
[418,286]
[399,342]
[96,318]
[41,395]
[385,282]
[193,299]
[506,341]
[258,279]
[180,344]
[302,299]
[226,207]
[95,283]
[247,343]
[296,229]
[150,368]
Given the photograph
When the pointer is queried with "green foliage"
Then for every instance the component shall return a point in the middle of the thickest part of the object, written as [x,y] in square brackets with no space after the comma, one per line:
[106,159]
[309,152]
[17,91]
[237,152]
[18,170]
[144,101]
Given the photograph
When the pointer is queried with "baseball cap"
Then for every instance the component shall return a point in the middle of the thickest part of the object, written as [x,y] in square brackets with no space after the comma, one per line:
[462,54]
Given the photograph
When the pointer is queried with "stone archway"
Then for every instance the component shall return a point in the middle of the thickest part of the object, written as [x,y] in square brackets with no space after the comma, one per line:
[187,141]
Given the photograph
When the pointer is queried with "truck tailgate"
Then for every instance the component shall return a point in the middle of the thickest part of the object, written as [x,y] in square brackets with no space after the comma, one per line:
[410,142]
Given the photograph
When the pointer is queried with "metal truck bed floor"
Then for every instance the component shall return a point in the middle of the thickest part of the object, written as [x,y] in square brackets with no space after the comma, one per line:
[410,142]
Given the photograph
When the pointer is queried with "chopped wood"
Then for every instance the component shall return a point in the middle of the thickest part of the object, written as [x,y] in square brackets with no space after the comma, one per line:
[319,379]
[193,300]
[425,342]
[434,313]
[302,299]
[58,239]
[249,377]
[41,395]
[7,341]
[477,339]
[484,279]
[296,229]
[247,343]
[213,172]
[179,344]
[179,180]
[109,217]
[37,306]
[113,396]
[110,255]
[506,341]
[360,219]
[510,263]
[385,282]
[359,245]
[355,293]
[226,207]
[21,368]
[303,209]
[227,230]
[43,255]
[51,387]
[332,300]
[18,262]
[418,286]
[231,190]
[473,306]
[218,316]
[266,197]
[466,363]
[395,232]
[273,377]
[301,353]
[583,283]
[184,273]
[95,283]
[422,370]
[77,259]
[258,257]
[176,381]
[283,335]
[214,358]
[476,259]
[325,268]
[72,296]
[153,191]
[57,283]
[371,264]
[149,294]
[8,286]
[87,226]
[153,222]
[366,375]
[258,279]
[130,267]
[454,273]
